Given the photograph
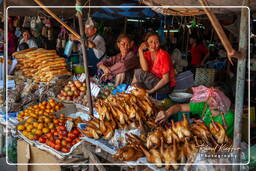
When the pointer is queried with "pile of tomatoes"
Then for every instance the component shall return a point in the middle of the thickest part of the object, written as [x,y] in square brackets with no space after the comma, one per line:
[60,139]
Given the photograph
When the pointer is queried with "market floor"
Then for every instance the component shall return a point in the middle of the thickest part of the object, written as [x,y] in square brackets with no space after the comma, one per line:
[5,167]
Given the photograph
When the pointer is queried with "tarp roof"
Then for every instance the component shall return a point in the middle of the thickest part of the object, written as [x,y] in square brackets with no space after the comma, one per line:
[133,13]
[195,11]
[108,13]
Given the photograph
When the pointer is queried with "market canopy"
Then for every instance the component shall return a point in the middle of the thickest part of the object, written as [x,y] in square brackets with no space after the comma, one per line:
[106,13]
[195,11]
[113,13]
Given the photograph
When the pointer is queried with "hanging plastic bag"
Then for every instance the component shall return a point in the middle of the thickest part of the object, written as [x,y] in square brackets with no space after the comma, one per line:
[38,20]
[68,48]
[26,22]
[33,23]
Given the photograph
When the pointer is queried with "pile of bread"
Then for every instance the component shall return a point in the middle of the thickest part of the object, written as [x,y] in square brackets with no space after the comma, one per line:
[40,64]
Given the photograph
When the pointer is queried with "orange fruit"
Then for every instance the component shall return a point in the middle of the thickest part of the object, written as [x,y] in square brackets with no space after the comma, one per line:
[40,126]
[51,125]
[33,130]
[38,132]
[45,130]
[21,127]
[35,124]
[29,128]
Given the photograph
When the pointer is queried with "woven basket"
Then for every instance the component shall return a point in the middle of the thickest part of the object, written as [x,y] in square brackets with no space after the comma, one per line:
[204,76]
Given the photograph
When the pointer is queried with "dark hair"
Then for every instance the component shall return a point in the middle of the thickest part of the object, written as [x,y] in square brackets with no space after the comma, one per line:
[121,36]
[23,46]
[149,34]
[197,39]
[26,30]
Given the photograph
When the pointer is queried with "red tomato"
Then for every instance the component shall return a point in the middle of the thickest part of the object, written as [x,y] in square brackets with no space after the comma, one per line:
[64,150]
[63,143]
[62,128]
[71,135]
[42,140]
[58,141]
[57,147]
[49,135]
[76,132]
[68,139]
[64,133]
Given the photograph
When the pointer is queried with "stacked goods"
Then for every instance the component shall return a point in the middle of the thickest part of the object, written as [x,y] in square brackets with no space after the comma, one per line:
[40,64]
[179,143]
[73,91]
[123,111]
[43,109]
[51,131]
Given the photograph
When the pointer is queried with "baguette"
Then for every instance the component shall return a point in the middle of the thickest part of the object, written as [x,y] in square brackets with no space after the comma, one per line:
[23,51]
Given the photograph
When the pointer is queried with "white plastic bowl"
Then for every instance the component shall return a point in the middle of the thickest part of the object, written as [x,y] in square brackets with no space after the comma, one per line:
[180,97]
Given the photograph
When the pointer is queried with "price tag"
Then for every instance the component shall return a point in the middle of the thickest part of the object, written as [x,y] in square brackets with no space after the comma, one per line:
[82,78]
[97,149]
[69,125]
[95,89]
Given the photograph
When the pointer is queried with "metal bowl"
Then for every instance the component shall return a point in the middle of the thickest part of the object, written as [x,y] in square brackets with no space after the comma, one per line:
[180,97]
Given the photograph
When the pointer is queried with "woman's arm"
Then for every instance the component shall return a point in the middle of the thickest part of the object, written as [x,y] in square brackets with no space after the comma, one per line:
[164,115]
[143,61]
[205,58]
[165,80]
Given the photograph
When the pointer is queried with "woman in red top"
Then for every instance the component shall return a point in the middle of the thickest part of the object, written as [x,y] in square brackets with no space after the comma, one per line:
[199,53]
[157,72]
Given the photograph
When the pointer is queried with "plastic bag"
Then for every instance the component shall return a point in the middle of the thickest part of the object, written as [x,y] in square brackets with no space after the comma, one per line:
[218,98]
[119,139]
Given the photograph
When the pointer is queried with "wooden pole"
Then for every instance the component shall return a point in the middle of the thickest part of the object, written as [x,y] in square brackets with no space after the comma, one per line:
[241,65]
[220,32]
[83,44]
[57,18]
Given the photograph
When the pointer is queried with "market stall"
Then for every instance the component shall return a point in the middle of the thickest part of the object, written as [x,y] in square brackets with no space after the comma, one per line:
[56,116]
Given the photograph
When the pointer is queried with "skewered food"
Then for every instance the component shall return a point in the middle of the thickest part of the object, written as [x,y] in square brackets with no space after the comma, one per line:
[219,132]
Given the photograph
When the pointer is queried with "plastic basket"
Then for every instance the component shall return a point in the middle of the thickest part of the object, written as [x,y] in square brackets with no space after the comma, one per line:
[184,80]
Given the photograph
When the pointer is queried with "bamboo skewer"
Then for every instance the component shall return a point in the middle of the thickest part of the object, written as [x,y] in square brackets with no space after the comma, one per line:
[57,18]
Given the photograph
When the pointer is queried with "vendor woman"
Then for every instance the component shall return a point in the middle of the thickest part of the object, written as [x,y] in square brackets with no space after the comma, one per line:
[210,104]
[120,67]
[157,72]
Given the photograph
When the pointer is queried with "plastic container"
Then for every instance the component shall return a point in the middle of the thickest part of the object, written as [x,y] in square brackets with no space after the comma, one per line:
[78,69]
[184,80]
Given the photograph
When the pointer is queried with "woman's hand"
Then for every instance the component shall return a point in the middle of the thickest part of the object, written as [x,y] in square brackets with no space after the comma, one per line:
[161,117]
[143,46]
[106,70]
[150,91]
[73,37]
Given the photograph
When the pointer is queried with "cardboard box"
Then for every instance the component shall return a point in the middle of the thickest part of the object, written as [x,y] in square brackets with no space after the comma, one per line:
[28,154]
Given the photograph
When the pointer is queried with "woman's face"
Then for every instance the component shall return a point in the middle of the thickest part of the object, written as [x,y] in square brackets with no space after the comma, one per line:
[192,41]
[213,104]
[153,43]
[91,31]
[26,36]
[124,45]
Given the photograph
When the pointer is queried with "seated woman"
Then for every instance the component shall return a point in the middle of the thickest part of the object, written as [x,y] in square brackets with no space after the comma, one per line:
[211,104]
[120,67]
[27,38]
[157,72]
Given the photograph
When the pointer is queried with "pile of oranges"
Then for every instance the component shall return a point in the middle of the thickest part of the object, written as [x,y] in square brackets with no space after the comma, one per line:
[42,109]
